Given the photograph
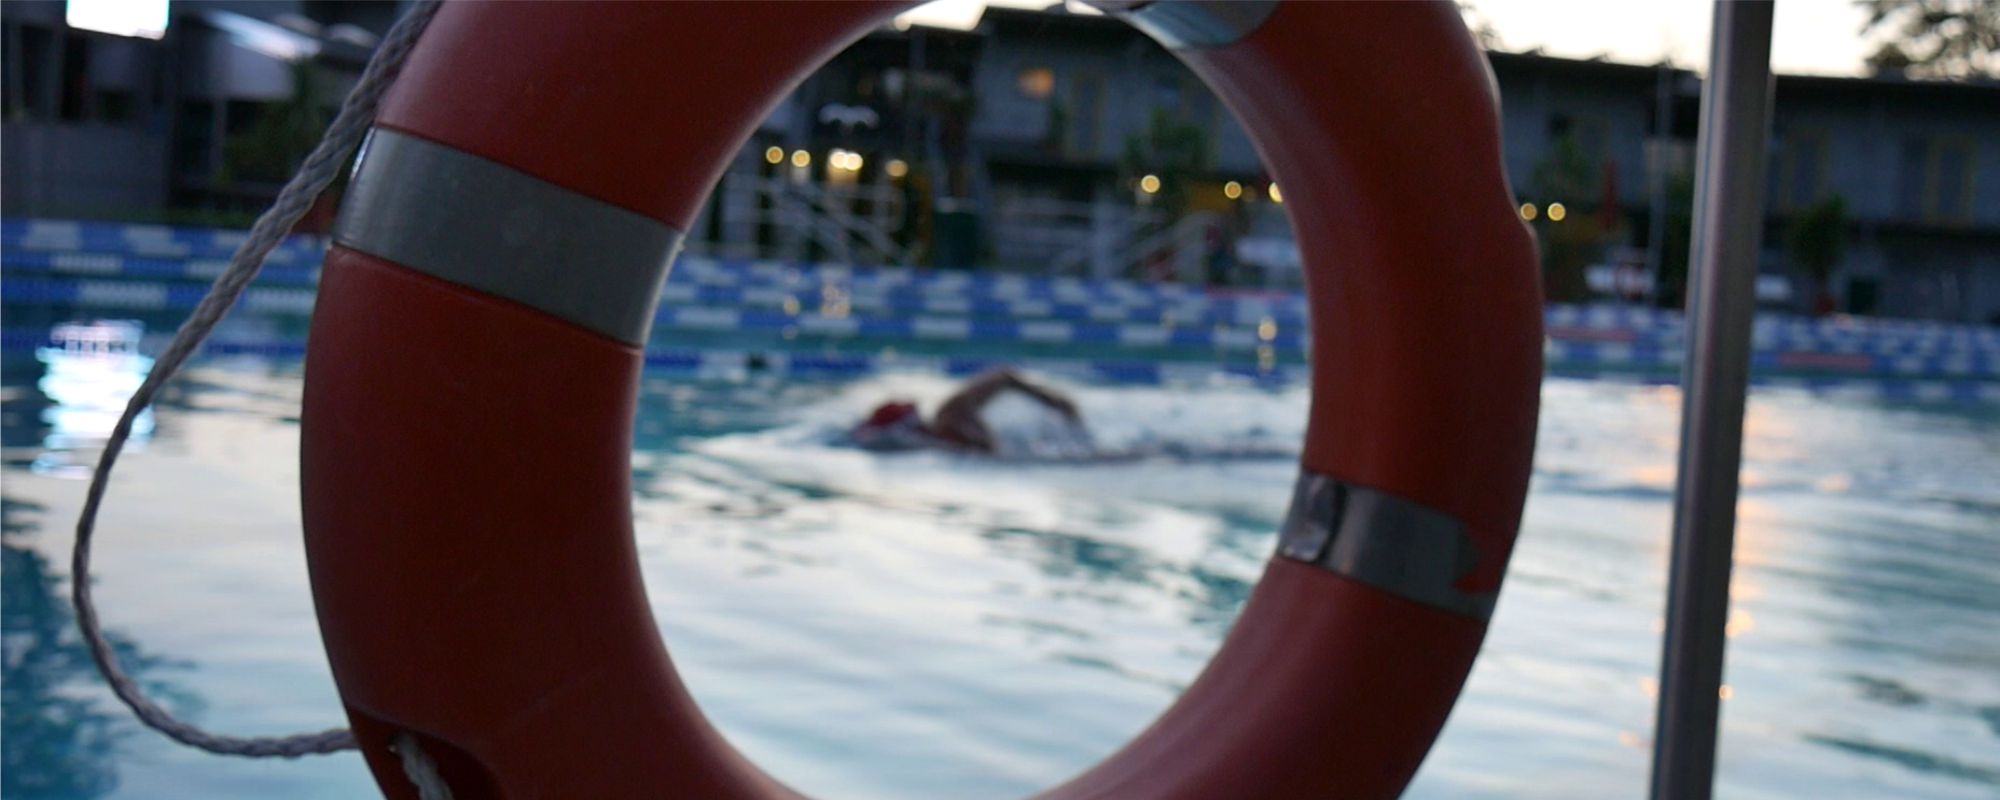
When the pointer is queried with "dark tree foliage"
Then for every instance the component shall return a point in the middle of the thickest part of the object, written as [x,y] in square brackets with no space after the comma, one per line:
[1817,237]
[1176,151]
[1953,39]
[1571,177]
[285,131]
[1481,26]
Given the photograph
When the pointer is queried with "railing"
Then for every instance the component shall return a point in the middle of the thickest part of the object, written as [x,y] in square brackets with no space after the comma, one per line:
[1103,240]
[776,217]
[1059,237]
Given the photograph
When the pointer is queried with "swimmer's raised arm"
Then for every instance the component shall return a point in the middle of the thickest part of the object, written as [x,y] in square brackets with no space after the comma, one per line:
[1048,397]
[958,419]
[976,393]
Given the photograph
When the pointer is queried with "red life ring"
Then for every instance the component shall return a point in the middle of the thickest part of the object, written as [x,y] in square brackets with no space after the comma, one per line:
[474,362]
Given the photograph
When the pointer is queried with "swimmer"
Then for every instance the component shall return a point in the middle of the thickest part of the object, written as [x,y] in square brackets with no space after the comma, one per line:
[957,425]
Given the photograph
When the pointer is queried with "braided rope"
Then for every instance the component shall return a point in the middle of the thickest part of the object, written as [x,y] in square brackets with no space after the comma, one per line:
[357,113]
[419,768]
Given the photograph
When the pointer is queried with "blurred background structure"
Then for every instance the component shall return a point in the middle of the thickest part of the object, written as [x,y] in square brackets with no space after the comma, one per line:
[1059,143]
[1046,189]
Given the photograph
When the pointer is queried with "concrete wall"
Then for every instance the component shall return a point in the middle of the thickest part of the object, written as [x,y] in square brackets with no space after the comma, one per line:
[1931,248]
[1609,109]
[1120,80]
[56,169]
[1865,135]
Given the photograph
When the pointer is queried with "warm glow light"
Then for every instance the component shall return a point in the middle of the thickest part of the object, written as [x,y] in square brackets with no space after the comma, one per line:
[774,155]
[898,168]
[801,159]
[1725,693]
[1232,190]
[1149,184]
[1036,83]
[1268,329]
[1528,211]
[1276,196]
[1557,212]
[846,160]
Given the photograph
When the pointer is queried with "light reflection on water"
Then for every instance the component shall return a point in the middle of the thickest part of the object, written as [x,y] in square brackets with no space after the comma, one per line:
[923,625]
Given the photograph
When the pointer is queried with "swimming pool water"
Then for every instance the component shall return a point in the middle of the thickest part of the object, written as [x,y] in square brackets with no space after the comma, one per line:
[925,625]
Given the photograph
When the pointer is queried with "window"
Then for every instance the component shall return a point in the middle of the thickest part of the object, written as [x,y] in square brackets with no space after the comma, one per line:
[1167,92]
[1952,183]
[1591,133]
[1036,83]
[1936,179]
[192,147]
[1205,112]
[1910,195]
[1798,174]
[1086,114]
[114,106]
[74,103]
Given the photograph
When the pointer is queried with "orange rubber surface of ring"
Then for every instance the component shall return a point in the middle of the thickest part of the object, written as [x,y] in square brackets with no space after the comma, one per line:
[1426,309]
[467,460]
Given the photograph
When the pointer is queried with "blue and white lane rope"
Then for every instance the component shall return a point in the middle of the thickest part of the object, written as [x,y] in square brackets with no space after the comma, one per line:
[1659,351]
[706,284]
[20,236]
[901,292]
[741,365]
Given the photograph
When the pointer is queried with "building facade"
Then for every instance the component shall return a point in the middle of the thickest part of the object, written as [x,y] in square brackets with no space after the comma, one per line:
[1060,98]
[1058,142]
[174,127]
[1916,165]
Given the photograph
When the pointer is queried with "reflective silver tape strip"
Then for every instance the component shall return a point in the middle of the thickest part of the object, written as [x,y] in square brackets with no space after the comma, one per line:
[1392,544]
[487,226]
[1186,24]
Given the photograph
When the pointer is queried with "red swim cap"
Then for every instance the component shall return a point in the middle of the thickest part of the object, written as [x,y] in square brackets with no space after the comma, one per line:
[889,414]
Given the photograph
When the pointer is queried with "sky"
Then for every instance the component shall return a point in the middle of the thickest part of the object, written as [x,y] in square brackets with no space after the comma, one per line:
[1816,37]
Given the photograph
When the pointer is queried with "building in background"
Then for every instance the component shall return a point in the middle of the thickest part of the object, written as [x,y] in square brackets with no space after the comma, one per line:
[199,120]
[1055,142]
[1038,140]
[1916,165]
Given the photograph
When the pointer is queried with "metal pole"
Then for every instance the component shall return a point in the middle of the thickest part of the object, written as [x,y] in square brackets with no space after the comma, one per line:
[1728,227]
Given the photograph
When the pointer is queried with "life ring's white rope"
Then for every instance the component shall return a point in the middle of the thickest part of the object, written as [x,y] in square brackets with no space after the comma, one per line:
[420,769]
[357,113]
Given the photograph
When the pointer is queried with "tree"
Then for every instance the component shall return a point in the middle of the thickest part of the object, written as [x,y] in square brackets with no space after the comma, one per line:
[1815,241]
[1175,151]
[285,131]
[1481,26]
[1678,233]
[1935,38]
[1566,174]
[1569,177]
